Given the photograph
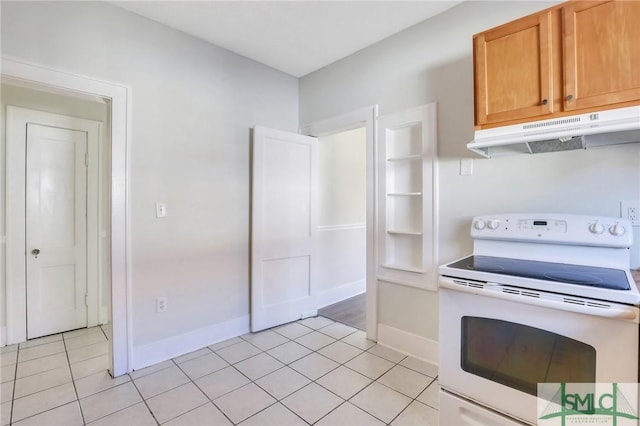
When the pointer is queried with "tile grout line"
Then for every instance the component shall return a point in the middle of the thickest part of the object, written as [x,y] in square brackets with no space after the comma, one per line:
[251,381]
[144,400]
[434,379]
[277,401]
[73,382]
[362,390]
[314,381]
[203,392]
[316,351]
[15,379]
[63,339]
[117,411]
[103,333]
[13,398]
[410,403]
[398,363]
[367,350]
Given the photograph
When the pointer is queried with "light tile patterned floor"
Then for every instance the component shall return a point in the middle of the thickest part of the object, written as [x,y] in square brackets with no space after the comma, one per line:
[313,371]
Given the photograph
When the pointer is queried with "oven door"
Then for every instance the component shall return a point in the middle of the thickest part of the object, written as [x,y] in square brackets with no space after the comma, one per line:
[496,346]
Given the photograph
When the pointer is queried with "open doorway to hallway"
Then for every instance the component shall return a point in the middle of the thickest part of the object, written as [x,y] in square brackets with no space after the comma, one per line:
[342,227]
[362,120]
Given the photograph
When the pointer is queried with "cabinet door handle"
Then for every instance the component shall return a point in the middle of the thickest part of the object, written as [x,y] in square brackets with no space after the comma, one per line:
[544,102]
[569,97]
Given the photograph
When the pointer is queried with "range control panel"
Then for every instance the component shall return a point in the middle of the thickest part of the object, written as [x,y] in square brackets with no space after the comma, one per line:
[554,228]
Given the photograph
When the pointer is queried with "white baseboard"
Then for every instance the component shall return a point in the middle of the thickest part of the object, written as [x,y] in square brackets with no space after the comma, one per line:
[338,294]
[3,336]
[153,353]
[408,343]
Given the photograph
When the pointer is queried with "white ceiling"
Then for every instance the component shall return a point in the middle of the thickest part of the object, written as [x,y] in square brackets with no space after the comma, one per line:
[296,37]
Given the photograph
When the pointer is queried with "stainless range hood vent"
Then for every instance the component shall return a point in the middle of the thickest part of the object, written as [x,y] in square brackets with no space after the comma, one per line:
[611,127]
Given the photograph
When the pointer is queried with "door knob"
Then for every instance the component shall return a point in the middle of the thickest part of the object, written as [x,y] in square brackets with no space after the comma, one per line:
[35,252]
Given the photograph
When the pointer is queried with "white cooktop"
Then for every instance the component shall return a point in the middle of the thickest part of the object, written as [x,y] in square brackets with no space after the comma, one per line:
[585,256]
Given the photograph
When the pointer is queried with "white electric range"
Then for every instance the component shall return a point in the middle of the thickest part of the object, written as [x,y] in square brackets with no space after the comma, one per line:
[545,298]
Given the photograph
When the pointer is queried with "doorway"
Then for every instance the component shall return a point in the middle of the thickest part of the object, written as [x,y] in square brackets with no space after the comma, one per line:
[356,125]
[117,99]
[57,213]
[342,227]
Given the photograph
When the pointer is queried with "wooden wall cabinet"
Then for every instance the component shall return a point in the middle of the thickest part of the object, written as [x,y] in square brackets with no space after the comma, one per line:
[601,53]
[577,57]
[513,70]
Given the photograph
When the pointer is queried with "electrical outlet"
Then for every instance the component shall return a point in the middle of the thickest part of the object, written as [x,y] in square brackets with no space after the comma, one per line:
[630,210]
[161,304]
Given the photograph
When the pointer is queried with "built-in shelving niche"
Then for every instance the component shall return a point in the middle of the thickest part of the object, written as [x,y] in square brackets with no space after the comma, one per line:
[407,241]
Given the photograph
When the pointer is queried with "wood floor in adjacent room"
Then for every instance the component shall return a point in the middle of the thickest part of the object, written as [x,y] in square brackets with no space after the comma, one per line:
[351,311]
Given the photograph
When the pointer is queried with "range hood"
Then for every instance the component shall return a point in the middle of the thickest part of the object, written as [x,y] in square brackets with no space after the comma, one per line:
[610,127]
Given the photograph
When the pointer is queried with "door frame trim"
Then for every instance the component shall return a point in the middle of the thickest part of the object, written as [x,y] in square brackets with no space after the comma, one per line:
[367,118]
[17,120]
[119,98]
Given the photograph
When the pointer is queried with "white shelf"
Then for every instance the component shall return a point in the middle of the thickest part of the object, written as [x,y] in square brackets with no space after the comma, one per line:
[405,158]
[404,268]
[404,194]
[401,232]
[406,148]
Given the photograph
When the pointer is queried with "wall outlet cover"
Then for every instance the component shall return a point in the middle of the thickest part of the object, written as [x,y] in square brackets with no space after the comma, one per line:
[630,209]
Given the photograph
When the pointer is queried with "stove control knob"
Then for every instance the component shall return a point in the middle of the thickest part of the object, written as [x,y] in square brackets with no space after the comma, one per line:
[596,228]
[493,224]
[617,230]
[479,224]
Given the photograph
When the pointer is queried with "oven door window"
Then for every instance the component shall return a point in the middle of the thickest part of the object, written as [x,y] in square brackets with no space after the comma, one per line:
[520,356]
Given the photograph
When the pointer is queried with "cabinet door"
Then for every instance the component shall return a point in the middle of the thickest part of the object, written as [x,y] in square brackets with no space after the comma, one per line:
[513,70]
[601,53]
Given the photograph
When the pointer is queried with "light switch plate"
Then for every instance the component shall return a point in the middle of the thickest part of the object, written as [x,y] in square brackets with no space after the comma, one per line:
[466,166]
[161,304]
[161,210]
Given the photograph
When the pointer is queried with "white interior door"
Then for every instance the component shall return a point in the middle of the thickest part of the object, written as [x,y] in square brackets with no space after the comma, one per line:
[56,234]
[283,227]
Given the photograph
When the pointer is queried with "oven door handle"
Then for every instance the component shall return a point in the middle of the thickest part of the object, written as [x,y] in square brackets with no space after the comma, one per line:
[622,313]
